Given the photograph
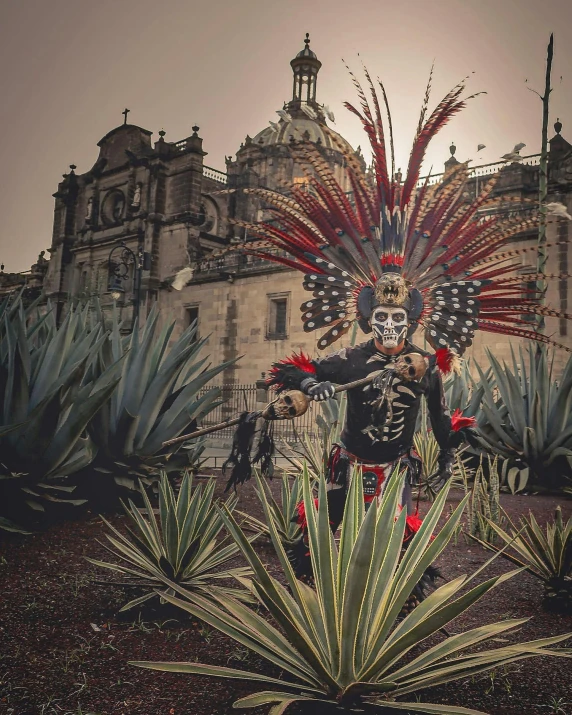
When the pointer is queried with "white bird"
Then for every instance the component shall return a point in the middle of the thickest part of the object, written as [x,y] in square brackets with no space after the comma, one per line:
[283,114]
[182,278]
[481,146]
[274,126]
[555,208]
[329,113]
[512,156]
[308,111]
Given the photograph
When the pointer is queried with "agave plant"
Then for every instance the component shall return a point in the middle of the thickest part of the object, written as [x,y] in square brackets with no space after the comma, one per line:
[283,512]
[313,448]
[156,399]
[428,450]
[181,545]
[341,645]
[526,414]
[48,396]
[484,507]
[548,556]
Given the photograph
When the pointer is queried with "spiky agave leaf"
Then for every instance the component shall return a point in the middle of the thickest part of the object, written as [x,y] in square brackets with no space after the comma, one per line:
[342,643]
[48,396]
[526,413]
[157,398]
[546,555]
[182,544]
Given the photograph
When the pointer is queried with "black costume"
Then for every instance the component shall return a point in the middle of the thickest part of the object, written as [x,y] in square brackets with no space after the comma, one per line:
[392,256]
[374,438]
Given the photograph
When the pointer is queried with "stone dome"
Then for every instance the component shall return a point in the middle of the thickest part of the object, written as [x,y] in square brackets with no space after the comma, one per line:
[301,129]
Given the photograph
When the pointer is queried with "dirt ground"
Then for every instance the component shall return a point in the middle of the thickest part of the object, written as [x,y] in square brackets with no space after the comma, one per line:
[64,648]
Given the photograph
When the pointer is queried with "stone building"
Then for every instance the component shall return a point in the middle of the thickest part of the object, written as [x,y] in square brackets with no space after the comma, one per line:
[170,210]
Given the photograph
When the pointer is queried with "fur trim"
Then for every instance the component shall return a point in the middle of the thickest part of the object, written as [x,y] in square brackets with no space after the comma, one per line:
[282,373]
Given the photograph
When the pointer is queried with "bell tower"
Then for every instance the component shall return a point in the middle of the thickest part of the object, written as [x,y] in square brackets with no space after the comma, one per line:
[305,67]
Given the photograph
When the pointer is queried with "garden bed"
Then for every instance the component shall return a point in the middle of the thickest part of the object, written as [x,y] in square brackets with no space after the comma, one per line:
[64,648]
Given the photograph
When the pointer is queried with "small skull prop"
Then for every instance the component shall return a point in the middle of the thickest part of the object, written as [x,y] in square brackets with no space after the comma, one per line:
[287,406]
[410,367]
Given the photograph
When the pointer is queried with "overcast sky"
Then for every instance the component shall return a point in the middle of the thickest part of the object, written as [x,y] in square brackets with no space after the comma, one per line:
[69,68]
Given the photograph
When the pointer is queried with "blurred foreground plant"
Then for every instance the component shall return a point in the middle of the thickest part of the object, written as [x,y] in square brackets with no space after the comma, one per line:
[341,645]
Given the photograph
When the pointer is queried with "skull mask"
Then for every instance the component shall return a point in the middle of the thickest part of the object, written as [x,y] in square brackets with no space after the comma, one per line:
[389,325]
[410,367]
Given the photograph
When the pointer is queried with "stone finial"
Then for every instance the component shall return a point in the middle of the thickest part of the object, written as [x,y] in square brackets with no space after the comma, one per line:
[195,130]
[162,134]
[307,40]
[557,126]
[452,149]
[73,167]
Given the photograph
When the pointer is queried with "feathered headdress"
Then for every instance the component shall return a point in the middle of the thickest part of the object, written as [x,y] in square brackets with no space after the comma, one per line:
[432,248]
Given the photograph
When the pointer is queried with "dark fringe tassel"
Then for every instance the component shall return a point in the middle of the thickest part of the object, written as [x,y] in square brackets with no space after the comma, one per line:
[265,449]
[239,458]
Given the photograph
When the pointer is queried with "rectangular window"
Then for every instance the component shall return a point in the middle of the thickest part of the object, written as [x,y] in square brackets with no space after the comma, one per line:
[277,316]
[192,315]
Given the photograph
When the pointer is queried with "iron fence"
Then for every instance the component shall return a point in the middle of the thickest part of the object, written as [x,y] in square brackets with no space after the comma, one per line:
[242,398]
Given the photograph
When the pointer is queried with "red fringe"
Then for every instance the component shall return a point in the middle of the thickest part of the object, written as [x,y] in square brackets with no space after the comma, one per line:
[412,526]
[444,359]
[459,422]
[392,259]
[301,514]
[301,361]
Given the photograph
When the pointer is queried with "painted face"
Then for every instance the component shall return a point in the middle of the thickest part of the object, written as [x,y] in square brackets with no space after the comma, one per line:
[389,325]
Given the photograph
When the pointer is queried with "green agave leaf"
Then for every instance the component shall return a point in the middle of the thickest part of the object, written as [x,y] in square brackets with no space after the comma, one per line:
[272,696]
[8,525]
[218,671]
[429,708]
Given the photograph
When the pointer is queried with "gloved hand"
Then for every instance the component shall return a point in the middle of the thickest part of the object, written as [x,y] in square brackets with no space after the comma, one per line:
[446,461]
[319,391]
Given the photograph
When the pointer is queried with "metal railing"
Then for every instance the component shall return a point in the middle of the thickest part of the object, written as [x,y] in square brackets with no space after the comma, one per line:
[482,170]
[242,398]
[233,263]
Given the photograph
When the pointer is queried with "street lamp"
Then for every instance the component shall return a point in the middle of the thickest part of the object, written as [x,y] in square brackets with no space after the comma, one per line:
[119,272]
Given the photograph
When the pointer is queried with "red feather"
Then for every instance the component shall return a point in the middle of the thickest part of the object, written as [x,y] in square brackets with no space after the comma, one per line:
[459,422]
[301,514]
[444,359]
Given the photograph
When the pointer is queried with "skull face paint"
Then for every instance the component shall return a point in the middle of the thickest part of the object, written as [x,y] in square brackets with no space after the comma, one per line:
[389,325]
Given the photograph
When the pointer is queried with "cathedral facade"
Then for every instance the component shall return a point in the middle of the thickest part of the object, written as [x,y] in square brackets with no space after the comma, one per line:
[126,229]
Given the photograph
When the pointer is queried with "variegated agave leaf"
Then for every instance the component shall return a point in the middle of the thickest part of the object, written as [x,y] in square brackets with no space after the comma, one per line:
[545,554]
[181,544]
[343,642]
